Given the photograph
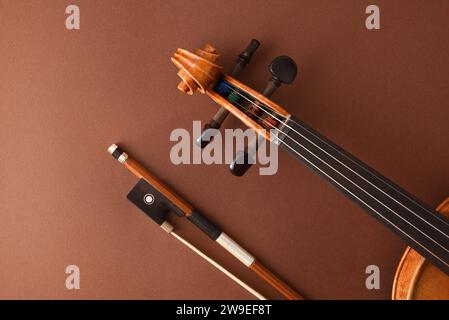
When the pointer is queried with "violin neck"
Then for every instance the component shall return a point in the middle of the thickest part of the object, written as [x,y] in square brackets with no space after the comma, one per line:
[418,225]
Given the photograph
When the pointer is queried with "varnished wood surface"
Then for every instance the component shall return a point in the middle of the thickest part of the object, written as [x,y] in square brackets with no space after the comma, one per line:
[240,115]
[272,105]
[198,70]
[275,282]
[417,279]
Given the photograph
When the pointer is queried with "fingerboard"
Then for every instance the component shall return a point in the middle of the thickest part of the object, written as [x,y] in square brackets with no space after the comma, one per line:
[418,225]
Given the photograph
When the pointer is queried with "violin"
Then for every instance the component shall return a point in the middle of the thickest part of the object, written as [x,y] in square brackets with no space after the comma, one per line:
[423,271]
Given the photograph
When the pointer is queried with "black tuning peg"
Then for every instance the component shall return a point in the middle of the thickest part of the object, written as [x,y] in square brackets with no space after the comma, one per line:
[215,123]
[245,57]
[245,158]
[283,71]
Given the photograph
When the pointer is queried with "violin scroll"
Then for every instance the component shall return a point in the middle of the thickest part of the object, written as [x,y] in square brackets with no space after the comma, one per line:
[197,70]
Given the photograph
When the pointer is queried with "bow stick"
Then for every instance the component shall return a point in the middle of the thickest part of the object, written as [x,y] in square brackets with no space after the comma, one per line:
[155,199]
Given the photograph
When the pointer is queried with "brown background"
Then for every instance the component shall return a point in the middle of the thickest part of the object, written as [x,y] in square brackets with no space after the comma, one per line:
[67,95]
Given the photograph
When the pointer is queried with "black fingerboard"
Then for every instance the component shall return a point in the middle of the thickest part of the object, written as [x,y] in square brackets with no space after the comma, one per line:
[418,225]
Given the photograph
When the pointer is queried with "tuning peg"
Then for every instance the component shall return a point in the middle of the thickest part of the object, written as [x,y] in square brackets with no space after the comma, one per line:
[215,123]
[245,57]
[283,70]
[245,159]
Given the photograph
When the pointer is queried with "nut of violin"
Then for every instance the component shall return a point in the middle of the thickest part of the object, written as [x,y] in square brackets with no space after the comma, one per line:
[198,70]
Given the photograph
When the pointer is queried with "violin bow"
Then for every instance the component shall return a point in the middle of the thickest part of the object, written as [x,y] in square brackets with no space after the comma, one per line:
[416,223]
[169,229]
[156,199]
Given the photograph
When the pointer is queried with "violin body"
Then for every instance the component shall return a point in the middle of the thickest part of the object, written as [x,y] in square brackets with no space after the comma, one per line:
[417,279]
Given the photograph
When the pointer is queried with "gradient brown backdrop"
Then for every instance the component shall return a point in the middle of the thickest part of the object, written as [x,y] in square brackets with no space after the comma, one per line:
[67,95]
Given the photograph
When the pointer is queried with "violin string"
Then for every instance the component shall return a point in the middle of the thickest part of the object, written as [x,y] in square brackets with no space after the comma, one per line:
[391,186]
[379,214]
[265,109]
[284,123]
[409,236]
[349,181]
[262,107]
